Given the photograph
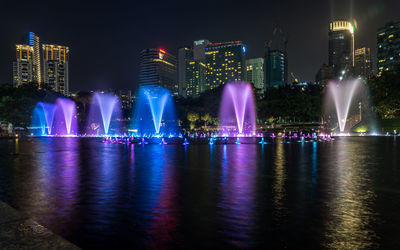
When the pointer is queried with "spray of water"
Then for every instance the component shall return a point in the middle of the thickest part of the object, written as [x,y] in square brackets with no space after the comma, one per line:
[343,93]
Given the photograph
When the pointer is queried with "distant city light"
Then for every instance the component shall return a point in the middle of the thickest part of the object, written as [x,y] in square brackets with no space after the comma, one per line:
[162,51]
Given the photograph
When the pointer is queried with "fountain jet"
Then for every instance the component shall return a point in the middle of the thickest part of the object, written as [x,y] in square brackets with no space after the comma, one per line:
[154,108]
[103,107]
[44,114]
[67,115]
[343,93]
[237,109]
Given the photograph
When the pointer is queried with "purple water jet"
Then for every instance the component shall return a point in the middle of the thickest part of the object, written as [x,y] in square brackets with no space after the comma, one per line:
[237,109]
[103,106]
[66,123]
[342,93]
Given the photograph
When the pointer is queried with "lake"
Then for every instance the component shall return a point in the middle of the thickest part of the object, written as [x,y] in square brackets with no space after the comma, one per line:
[338,194]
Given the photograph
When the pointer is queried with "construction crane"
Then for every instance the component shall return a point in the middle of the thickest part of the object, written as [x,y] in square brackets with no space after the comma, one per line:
[294,78]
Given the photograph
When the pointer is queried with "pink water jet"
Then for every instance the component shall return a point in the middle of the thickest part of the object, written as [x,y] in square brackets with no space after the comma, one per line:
[237,109]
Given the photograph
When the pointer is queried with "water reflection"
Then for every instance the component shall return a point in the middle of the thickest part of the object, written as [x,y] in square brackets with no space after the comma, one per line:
[238,182]
[279,182]
[350,210]
[342,194]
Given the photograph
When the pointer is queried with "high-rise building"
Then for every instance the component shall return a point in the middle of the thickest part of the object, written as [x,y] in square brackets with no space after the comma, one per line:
[185,55]
[23,67]
[34,41]
[388,51]
[341,47]
[55,67]
[276,60]
[225,62]
[192,69]
[199,48]
[324,75]
[363,62]
[157,67]
[22,58]
[126,98]
[255,73]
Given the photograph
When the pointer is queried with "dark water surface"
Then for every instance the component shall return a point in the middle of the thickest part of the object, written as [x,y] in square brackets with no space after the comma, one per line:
[341,194]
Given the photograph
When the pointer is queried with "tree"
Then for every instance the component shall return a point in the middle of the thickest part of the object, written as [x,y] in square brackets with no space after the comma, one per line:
[385,92]
[206,118]
[192,118]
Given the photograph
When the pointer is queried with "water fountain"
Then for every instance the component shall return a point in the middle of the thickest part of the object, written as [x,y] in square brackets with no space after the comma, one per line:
[65,118]
[342,93]
[155,113]
[103,108]
[237,110]
[43,117]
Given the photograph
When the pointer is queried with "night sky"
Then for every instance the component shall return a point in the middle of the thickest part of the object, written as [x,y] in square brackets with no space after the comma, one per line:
[106,37]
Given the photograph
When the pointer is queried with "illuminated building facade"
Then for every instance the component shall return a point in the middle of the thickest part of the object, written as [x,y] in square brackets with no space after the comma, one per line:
[23,67]
[157,67]
[55,67]
[363,62]
[276,60]
[255,73]
[341,47]
[388,51]
[27,67]
[34,41]
[225,62]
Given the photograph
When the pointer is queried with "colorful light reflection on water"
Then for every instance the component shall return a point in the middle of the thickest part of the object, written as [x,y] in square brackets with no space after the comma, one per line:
[340,194]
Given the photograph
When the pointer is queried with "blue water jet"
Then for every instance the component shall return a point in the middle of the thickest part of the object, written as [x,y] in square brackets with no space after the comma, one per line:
[43,117]
[155,111]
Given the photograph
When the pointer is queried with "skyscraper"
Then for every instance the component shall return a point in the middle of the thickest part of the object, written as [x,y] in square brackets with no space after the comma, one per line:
[157,67]
[363,62]
[192,69]
[324,75]
[23,67]
[388,51]
[276,60]
[225,63]
[341,47]
[55,67]
[185,55]
[34,41]
[27,54]
[255,73]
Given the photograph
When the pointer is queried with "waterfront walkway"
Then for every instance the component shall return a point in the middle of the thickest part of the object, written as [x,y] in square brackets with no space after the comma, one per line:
[19,232]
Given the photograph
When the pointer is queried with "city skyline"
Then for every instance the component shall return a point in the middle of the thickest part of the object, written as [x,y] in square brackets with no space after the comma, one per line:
[88,34]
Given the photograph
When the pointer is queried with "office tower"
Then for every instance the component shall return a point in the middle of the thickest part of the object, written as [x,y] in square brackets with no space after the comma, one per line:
[341,48]
[362,62]
[23,67]
[185,55]
[225,63]
[388,51]
[157,67]
[255,73]
[324,75]
[125,97]
[276,60]
[192,69]
[55,67]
